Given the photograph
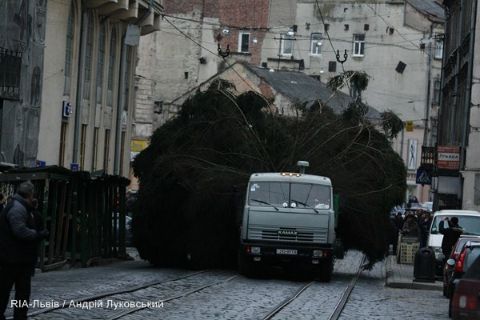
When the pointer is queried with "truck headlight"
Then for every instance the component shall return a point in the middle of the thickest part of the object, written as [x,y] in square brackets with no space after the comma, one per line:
[438,254]
[255,250]
[317,253]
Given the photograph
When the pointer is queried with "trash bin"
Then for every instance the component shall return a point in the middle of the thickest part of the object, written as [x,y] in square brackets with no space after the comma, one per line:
[424,267]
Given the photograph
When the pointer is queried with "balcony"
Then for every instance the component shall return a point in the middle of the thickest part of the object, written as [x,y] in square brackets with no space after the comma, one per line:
[143,12]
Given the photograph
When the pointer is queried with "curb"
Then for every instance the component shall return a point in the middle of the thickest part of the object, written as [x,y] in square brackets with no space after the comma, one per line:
[407,284]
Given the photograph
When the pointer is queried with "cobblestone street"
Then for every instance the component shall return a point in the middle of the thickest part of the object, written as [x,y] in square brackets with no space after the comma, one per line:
[223,294]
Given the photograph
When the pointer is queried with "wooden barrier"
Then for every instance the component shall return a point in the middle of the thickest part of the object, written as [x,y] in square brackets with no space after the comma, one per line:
[84,214]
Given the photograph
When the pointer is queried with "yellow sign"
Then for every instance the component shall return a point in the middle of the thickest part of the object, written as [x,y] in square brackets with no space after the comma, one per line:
[409,126]
[138,145]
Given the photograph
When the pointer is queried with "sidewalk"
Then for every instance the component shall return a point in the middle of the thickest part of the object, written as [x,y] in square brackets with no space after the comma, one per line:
[401,276]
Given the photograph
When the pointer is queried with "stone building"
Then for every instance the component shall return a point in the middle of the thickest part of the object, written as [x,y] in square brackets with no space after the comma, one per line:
[88,101]
[184,53]
[22,41]
[397,43]
[458,153]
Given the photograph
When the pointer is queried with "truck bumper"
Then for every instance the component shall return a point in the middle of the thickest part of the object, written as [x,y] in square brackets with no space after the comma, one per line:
[273,253]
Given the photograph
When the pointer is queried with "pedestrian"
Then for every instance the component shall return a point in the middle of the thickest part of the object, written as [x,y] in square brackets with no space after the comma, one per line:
[424,224]
[450,235]
[393,234]
[412,200]
[19,240]
[410,226]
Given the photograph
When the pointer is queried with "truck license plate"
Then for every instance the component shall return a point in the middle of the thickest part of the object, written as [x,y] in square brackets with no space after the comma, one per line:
[287,251]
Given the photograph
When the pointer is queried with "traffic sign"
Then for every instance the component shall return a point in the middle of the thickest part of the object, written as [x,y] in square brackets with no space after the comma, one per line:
[423,176]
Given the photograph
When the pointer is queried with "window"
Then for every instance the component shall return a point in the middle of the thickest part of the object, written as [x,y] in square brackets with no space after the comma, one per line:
[310,196]
[293,195]
[438,49]
[111,66]
[470,224]
[100,62]
[63,141]
[95,149]
[286,44]
[88,59]
[106,150]
[332,66]
[269,193]
[243,42]
[83,139]
[69,51]
[436,91]
[316,43]
[358,45]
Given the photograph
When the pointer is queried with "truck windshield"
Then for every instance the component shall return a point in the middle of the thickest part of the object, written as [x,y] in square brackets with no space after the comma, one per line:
[469,224]
[294,195]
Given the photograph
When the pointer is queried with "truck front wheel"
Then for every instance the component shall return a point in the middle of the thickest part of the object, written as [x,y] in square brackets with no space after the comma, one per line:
[245,266]
[325,270]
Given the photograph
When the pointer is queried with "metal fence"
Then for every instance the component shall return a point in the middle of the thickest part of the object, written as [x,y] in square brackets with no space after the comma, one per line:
[85,215]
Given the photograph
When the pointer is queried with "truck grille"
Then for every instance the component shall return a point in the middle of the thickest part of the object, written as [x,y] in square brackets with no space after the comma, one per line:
[280,234]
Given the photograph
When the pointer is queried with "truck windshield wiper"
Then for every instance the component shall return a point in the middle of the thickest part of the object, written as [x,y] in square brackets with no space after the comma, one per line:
[264,202]
[305,205]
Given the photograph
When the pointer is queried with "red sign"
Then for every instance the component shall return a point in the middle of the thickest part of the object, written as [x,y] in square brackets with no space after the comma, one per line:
[448,158]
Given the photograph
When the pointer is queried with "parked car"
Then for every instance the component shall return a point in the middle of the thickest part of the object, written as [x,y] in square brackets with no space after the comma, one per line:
[427,206]
[468,220]
[470,253]
[449,268]
[465,301]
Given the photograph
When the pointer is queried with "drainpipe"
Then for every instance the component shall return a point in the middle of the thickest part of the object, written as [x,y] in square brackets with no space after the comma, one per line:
[120,105]
[84,20]
[468,96]
[468,99]
[426,139]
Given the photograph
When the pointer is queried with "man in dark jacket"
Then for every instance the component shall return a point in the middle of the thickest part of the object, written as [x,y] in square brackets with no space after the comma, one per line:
[450,235]
[19,241]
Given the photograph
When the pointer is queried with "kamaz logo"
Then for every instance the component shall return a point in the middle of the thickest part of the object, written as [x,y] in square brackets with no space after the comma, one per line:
[285,232]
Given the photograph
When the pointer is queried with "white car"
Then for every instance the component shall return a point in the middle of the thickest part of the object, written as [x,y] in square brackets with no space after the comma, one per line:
[468,220]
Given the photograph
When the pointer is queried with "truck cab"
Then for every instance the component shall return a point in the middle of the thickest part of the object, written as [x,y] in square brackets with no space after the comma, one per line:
[288,218]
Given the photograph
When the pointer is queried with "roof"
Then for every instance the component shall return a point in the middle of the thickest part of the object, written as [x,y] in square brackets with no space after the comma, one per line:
[295,177]
[303,89]
[429,7]
[457,212]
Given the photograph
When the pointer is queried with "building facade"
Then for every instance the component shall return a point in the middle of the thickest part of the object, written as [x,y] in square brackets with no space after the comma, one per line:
[398,43]
[185,53]
[22,41]
[88,100]
[458,154]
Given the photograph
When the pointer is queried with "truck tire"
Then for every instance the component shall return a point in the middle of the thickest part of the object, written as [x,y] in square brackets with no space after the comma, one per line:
[245,267]
[325,270]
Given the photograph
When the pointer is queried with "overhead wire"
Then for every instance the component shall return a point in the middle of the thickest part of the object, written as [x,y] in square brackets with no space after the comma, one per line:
[214,53]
